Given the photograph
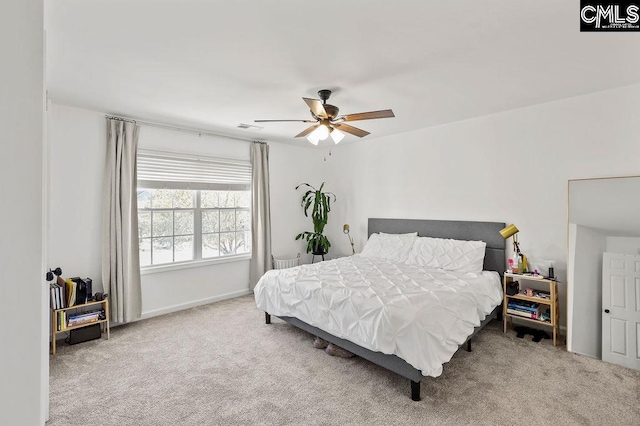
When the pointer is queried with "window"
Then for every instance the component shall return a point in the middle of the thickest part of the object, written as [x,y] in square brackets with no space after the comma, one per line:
[166,225]
[226,222]
[189,214]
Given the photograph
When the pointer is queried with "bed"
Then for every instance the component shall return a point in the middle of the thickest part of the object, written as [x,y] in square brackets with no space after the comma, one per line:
[407,319]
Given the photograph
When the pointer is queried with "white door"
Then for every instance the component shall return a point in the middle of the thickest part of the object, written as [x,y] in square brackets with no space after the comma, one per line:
[621,309]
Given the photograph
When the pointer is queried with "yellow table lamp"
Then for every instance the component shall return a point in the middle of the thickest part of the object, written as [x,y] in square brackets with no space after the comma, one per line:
[512,231]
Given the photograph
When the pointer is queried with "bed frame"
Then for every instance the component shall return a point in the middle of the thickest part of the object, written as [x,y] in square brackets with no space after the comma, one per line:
[494,260]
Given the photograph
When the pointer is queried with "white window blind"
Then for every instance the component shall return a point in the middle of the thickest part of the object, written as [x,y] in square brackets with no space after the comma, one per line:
[159,170]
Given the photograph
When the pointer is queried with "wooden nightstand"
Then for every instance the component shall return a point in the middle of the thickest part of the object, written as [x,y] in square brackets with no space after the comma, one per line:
[540,284]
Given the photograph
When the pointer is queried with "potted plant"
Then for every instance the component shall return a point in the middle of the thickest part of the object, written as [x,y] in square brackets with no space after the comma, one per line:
[317,243]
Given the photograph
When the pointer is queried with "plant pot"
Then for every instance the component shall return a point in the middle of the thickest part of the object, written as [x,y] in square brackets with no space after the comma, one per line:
[319,251]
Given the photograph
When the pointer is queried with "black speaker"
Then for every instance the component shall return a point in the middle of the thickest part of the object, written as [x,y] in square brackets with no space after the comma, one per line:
[100,296]
[89,284]
[84,334]
[513,288]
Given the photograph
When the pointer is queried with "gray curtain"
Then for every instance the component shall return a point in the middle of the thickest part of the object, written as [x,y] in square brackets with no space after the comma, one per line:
[260,213]
[120,257]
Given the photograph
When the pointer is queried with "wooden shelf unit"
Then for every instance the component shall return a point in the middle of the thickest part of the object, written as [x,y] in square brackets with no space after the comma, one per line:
[552,287]
[54,320]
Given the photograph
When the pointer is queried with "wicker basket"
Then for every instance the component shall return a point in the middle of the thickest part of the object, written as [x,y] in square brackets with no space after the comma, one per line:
[286,262]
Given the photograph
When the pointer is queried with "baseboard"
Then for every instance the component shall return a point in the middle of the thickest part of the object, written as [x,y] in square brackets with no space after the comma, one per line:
[176,308]
[193,304]
[587,355]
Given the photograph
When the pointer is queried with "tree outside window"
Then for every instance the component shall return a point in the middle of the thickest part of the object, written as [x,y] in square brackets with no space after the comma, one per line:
[178,225]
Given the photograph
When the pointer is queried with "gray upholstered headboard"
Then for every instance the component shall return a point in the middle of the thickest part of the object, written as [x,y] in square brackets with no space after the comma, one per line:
[495,255]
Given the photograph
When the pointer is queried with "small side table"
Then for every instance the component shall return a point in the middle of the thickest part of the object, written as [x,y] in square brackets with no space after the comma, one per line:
[56,312]
[552,302]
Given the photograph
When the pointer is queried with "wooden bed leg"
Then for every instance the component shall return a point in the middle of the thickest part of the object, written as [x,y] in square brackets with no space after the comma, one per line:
[469,345]
[415,391]
[267,318]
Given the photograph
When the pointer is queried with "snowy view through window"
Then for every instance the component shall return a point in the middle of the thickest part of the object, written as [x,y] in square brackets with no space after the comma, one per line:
[176,225]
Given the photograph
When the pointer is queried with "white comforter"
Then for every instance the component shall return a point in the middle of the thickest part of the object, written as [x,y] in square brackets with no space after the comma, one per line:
[420,315]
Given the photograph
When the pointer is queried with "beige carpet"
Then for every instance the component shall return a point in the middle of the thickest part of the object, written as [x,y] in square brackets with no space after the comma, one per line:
[221,365]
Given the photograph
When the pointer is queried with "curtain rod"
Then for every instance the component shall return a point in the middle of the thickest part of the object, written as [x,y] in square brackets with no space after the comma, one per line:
[180,129]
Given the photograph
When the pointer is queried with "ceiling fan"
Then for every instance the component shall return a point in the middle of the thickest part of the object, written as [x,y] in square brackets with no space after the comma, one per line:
[327,122]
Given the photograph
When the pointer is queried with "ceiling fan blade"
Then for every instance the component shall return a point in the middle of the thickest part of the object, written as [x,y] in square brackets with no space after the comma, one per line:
[385,113]
[315,105]
[273,121]
[306,131]
[352,130]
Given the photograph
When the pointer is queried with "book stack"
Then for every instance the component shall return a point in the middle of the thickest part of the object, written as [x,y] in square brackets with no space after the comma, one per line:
[84,318]
[525,309]
[58,294]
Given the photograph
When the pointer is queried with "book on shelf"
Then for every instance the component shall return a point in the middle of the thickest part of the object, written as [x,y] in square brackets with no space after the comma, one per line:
[71,291]
[56,287]
[85,314]
[61,294]
[83,321]
[85,318]
[538,315]
[61,321]
[524,314]
[52,293]
[56,298]
[524,305]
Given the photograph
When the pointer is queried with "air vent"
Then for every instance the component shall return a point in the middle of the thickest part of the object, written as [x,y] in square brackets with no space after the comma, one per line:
[249,127]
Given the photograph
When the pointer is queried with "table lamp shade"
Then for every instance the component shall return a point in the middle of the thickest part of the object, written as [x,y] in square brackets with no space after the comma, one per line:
[509,231]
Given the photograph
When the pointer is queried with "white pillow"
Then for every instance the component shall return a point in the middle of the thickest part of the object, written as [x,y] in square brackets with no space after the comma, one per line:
[452,255]
[393,247]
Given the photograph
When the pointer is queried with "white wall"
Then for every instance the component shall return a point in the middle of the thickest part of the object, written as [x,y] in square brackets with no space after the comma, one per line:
[585,280]
[77,156]
[511,167]
[290,166]
[23,359]
[624,245]
[76,164]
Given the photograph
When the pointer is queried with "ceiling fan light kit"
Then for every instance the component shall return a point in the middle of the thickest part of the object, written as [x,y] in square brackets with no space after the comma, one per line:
[336,135]
[321,132]
[313,138]
[329,123]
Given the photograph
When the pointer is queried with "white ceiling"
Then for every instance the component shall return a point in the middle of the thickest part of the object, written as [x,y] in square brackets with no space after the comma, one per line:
[214,64]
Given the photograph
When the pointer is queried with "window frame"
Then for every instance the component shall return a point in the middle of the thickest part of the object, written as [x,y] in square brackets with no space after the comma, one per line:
[198,260]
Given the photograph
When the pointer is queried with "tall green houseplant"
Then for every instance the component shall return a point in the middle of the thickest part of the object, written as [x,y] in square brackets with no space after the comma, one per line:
[320,205]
